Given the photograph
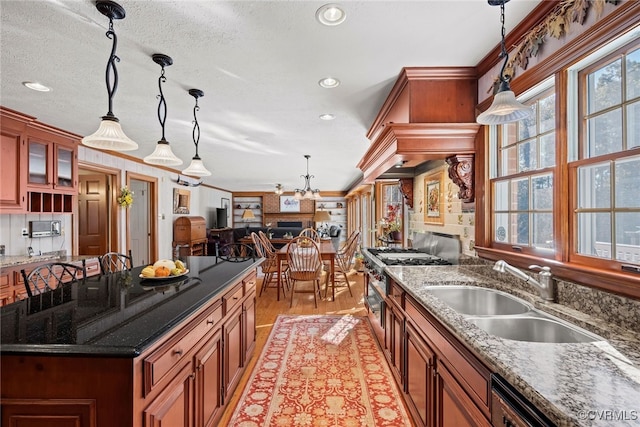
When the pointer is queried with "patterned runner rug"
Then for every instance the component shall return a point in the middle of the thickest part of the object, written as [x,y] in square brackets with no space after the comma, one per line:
[321,371]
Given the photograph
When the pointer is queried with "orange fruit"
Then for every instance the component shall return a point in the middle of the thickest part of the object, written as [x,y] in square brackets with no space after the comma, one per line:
[162,271]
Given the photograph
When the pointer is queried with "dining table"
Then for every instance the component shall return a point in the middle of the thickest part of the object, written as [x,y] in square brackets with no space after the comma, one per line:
[327,253]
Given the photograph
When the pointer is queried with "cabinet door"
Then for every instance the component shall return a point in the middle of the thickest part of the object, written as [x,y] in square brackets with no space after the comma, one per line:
[39,166]
[172,407]
[249,327]
[65,171]
[394,338]
[419,375]
[455,407]
[13,194]
[208,392]
[233,352]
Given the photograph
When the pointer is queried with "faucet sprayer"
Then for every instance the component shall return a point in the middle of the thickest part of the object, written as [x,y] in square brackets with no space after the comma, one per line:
[546,285]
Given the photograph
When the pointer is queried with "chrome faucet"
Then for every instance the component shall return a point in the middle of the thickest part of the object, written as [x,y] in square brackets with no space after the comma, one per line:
[546,286]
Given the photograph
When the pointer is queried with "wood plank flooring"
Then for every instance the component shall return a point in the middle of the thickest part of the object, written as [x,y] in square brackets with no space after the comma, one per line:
[267,309]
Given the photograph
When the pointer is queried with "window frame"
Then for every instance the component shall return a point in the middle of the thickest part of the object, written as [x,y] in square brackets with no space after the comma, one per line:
[617,23]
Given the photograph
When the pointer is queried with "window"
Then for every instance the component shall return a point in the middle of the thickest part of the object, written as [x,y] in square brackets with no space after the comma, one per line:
[524,160]
[607,172]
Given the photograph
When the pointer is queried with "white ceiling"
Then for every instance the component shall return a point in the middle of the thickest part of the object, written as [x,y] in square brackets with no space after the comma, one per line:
[258,63]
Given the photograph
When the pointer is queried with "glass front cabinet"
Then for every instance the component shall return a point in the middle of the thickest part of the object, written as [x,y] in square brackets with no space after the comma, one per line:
[51,163]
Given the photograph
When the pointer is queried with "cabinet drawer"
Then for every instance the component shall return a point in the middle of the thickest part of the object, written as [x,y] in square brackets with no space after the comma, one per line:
[92,267]
[396,293]
[233,298]
[249,283]
[159,364]
[461,363]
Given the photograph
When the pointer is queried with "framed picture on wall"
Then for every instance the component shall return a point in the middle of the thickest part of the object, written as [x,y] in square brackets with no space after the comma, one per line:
[433,191]
[289,204]
[181,201]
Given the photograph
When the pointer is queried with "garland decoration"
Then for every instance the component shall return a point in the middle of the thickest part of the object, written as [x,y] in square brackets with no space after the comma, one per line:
[555,25]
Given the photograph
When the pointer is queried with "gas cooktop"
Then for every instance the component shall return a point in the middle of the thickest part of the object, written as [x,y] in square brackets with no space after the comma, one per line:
[406,256]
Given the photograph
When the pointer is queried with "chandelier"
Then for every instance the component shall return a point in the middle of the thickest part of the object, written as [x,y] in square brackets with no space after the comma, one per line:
[307,192]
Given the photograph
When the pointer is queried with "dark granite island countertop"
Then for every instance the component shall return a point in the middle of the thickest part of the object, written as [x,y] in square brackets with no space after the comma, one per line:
[116,315]
[584,384]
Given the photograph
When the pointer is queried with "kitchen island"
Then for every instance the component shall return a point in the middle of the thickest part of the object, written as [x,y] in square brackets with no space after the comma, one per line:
[573,384]
[118,350]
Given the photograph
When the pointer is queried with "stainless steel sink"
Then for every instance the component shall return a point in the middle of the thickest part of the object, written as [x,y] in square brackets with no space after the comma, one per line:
[536,328]
[476,301]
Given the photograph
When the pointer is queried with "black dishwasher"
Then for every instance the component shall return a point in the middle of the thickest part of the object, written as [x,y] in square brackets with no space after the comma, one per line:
[509,408]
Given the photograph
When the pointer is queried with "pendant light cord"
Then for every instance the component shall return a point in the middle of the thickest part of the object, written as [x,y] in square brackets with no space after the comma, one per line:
[111,68]
[162,105]
[196,127]
[503,48]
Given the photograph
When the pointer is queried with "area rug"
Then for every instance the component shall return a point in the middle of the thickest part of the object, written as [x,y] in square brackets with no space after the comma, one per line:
[321,371]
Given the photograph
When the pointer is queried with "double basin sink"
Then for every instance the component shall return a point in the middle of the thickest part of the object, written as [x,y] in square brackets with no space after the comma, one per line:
[506,316]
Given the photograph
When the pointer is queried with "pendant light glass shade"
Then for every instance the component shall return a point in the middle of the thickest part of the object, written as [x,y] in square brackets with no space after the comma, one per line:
[196,168]
[162,155]
[109,135]
[505,108]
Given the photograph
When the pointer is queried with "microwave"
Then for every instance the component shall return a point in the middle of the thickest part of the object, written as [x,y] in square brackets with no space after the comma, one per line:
[45,228]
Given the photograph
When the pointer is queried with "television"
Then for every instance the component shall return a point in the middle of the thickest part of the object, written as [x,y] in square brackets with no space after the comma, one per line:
[221,218]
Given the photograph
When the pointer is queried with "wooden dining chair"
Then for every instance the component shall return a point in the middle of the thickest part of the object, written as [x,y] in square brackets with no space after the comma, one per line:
[114,261]
[48,277]
[305,265]
[344,261]
[310,233]
[269,266]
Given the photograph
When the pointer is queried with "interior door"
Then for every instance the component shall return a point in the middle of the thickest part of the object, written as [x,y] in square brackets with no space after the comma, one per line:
[93,215]
[140,228]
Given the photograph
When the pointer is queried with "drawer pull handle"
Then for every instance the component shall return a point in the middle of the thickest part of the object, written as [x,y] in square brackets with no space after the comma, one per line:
[177,352]
[209,321]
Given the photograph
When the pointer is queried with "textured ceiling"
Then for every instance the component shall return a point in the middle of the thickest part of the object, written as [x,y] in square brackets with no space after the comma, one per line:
[258,63]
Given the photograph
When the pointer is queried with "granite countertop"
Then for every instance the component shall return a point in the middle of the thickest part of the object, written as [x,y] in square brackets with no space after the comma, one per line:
[15,260]
[573,384]
[116,314]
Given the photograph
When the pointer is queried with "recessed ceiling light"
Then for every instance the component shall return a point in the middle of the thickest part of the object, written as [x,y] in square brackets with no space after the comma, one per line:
[329,82]
[37,86]
[327,116]
[331,14]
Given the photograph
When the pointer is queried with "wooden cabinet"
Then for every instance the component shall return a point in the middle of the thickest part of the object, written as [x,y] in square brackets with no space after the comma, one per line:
[185,379]
[39,166]
[13,193]
[190,232]
[443,382]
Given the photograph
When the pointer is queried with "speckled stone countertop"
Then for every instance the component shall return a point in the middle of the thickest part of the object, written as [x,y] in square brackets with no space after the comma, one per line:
[573,384]
[16,260]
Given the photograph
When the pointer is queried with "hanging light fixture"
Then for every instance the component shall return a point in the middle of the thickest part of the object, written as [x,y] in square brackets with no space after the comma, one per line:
[162,155]
[279,189]
[196,168]
[109,135]
[505,107]
[307,192]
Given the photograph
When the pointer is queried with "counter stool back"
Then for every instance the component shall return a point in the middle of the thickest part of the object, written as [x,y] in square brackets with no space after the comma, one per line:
[114,261]
[49,276]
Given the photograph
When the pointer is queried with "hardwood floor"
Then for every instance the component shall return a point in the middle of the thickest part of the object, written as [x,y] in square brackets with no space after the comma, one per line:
[267,309]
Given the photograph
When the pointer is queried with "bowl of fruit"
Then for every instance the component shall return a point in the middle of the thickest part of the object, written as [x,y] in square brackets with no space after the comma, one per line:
[164,269]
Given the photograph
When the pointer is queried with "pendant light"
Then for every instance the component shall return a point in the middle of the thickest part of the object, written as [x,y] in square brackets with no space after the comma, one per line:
[307,192]
[505,107]
[279,189]
[196,168]
[162,155]
[109,135]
